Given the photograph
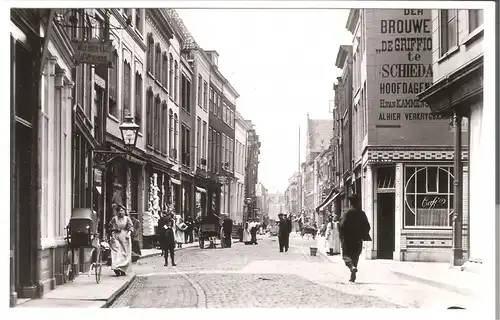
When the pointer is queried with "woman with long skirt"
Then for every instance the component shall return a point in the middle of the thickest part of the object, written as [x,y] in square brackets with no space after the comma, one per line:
[121,242]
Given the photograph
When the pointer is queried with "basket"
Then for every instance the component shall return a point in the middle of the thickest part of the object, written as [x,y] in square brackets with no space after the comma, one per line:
[313,251]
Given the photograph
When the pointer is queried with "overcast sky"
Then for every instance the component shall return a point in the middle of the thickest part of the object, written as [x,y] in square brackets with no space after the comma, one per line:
[282,63]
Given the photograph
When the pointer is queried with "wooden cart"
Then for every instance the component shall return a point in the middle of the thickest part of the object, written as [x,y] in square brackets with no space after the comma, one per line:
[209,230]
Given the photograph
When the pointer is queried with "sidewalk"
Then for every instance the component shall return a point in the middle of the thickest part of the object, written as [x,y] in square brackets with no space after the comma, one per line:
[84,292]
[439,275]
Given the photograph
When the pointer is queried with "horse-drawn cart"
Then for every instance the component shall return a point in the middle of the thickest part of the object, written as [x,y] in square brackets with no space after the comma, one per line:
[209,230]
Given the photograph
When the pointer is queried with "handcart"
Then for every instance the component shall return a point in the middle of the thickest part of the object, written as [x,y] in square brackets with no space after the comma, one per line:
[82,233]
[209,231]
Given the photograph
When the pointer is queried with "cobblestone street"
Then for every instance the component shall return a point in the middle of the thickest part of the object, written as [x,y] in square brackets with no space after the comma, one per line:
[260,276]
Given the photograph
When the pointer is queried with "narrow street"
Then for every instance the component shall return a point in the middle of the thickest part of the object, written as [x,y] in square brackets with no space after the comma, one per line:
[260,276]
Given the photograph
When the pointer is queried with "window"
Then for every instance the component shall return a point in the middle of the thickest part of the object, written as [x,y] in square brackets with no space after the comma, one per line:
[150,57]
[171,79]
[171,133]
[219,102]
[224,113]
[449,30]
[176,134]
[226,154]
[113,87]
[203,141]
[126,12]
[138,20]
[138,101]
[428,196]
[205,95]
[216,103]
[198,140]
[231,146]
[126,89]
[156,122]
[200,94]
[164,128]
[217,153]
[149,118]
[185,137]
[89,87]
[475,19]
[164,70]
[210,149]
[211,98]
[176,81]
[223,151]
[185,93]
[158,62]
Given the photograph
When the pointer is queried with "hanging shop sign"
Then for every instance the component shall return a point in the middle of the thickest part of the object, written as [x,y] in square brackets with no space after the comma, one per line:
[94,51]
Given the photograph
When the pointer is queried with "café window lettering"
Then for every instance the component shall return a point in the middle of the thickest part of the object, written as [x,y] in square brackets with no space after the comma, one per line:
[428,196]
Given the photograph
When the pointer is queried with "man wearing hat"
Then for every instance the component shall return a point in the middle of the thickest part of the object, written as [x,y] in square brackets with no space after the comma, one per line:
[283,232]
[354,228]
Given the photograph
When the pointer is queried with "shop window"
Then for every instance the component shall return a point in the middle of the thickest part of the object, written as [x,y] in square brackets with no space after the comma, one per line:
[134,189]
[428,196]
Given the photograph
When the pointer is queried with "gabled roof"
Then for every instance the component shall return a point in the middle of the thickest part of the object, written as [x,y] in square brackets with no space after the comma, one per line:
[188,42]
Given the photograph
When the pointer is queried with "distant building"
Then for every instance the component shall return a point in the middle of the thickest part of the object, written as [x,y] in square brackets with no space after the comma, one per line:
[251,172]
[262,209]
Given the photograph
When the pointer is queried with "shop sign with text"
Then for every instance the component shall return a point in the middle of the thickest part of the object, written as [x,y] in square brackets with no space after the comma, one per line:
[94,51]
[401,64]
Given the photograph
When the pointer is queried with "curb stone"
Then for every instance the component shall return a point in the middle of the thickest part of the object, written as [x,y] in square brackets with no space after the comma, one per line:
[118,292]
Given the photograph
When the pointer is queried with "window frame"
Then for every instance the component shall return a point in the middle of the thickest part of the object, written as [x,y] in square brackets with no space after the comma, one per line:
[415,193]
[479,13]
[444,21]
[138,101]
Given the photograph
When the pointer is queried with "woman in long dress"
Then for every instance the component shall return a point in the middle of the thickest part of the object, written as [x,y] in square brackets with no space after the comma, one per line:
[332,236]
[247,238]
[179,232]
[121,242]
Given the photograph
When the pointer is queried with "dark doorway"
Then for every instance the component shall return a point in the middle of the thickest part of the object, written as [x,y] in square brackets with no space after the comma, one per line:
[385,225]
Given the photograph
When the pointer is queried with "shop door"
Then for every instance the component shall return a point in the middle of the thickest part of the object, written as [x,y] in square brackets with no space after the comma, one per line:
[23,100]
[385,225]
[23,205]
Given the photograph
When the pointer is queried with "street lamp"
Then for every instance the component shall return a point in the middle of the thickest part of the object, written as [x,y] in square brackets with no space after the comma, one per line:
[130,132]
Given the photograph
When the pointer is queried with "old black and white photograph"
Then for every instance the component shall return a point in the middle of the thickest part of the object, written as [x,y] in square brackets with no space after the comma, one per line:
[224,155]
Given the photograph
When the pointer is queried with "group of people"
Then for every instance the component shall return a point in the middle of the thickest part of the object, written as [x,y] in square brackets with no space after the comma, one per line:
[250,231]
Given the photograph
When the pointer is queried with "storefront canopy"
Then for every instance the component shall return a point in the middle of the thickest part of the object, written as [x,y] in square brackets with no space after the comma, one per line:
[331,196]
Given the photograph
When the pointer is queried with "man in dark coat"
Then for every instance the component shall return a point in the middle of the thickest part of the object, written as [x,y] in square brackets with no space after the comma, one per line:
[227,227]
[354,228]
[283,232]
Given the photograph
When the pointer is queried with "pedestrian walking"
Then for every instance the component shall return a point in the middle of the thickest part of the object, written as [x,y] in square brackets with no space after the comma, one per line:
[136,245]
[164,221]
[253,231]
[332,236]
[354,228]
[169,243]
[121,244]
[283,232]
[180,228]
[188,234]
[246,232]
[227,228]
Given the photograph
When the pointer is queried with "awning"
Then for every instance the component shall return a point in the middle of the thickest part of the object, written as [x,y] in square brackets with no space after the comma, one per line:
[331,196]
[201,190]
[175,181]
